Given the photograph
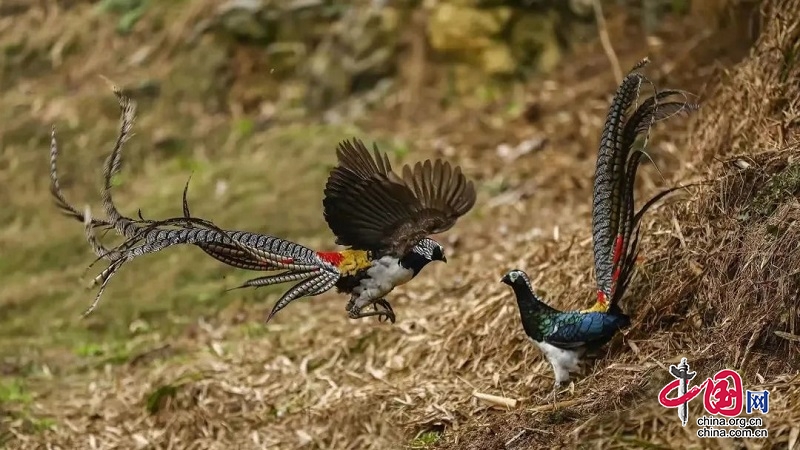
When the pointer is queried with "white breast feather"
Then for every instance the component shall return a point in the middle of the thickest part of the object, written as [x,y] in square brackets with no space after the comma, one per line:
[563,361]
[384,275]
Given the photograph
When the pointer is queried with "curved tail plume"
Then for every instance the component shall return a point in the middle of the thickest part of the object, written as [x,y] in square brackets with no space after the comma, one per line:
[615,226]
[236,248]
[58,196]
[128,227]
[125,226]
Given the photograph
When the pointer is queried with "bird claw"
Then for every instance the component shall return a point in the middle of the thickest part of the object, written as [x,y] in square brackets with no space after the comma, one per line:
[386,308]
[552,397]
[557,387]
[384,313]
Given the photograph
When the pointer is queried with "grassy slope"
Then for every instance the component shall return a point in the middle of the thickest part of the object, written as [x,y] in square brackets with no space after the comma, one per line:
[168,358]
[270,180]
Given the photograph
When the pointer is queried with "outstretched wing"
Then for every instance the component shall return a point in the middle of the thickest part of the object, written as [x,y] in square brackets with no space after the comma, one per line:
[368,206]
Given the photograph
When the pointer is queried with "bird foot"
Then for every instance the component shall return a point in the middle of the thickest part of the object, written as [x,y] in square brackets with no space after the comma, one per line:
[385,312]
[552,396]
[387,308]
[557,387]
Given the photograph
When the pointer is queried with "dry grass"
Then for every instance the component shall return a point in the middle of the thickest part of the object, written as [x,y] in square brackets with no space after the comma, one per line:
[717,284]
[722,285]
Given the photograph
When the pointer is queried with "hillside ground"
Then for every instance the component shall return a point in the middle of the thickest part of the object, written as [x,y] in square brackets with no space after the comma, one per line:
[171,360]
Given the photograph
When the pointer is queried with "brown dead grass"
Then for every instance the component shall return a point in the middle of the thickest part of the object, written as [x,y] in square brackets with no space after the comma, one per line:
[722,288]
[714,264]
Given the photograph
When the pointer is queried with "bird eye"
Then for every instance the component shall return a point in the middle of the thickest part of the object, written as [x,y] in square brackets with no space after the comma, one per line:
[513,276]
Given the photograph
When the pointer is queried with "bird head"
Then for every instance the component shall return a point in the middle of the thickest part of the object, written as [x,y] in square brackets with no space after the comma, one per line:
[430,250]
[426,251]
[521,284]
[516,277]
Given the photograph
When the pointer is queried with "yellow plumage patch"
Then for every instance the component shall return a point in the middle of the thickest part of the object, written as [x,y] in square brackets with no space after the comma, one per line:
[354,261]
[601,305]
[597,307]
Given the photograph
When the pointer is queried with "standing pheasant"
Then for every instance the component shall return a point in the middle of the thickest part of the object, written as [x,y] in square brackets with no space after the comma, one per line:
[564,337]
[384,218]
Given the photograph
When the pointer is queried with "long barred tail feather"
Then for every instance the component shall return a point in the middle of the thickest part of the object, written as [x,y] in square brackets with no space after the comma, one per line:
[156,238]
[226,254]
[624,261]
[235,248]
[130,228]
[121,224]
[100,291]
[125,226]
[115,258]
[55,188]
[614,223]
[267,251]
[284,277]
[306,288]
[605,198]
[260,252]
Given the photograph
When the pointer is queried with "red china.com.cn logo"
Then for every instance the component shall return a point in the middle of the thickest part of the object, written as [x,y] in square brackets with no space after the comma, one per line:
[723,393]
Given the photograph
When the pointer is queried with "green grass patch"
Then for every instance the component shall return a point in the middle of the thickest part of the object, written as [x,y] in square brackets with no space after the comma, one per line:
[12,390]
[781,186]
[425,440]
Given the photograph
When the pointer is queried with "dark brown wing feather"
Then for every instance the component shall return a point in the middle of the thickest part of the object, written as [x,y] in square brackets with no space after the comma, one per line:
[367,206]
[354,157]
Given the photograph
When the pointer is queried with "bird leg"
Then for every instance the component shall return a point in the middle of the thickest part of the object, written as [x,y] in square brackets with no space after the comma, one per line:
[557,386]
[553,395]
[385,312]
[387,315]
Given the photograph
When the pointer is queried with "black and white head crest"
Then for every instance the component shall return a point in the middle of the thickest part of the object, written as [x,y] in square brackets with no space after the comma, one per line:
[429,249]
[514,275]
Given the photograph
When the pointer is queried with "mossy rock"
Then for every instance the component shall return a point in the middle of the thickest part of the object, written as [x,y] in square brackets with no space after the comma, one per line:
[247,20]
[498,60]
[461,29]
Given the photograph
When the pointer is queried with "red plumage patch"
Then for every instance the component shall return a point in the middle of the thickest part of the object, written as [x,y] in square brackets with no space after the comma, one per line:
[617,249]
[601,298]
[334,258]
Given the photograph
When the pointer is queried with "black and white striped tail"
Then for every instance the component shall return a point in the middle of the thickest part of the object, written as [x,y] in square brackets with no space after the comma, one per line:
[240,249]
[613,218]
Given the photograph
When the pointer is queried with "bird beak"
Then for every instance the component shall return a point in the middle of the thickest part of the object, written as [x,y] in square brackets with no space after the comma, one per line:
[505,279]
[444,259]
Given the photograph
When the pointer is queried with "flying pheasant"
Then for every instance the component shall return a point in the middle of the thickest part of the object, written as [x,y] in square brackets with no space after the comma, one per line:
[564,337]
[384,218]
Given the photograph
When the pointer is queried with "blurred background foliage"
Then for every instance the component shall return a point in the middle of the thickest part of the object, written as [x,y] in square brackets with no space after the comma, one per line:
[301,56]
